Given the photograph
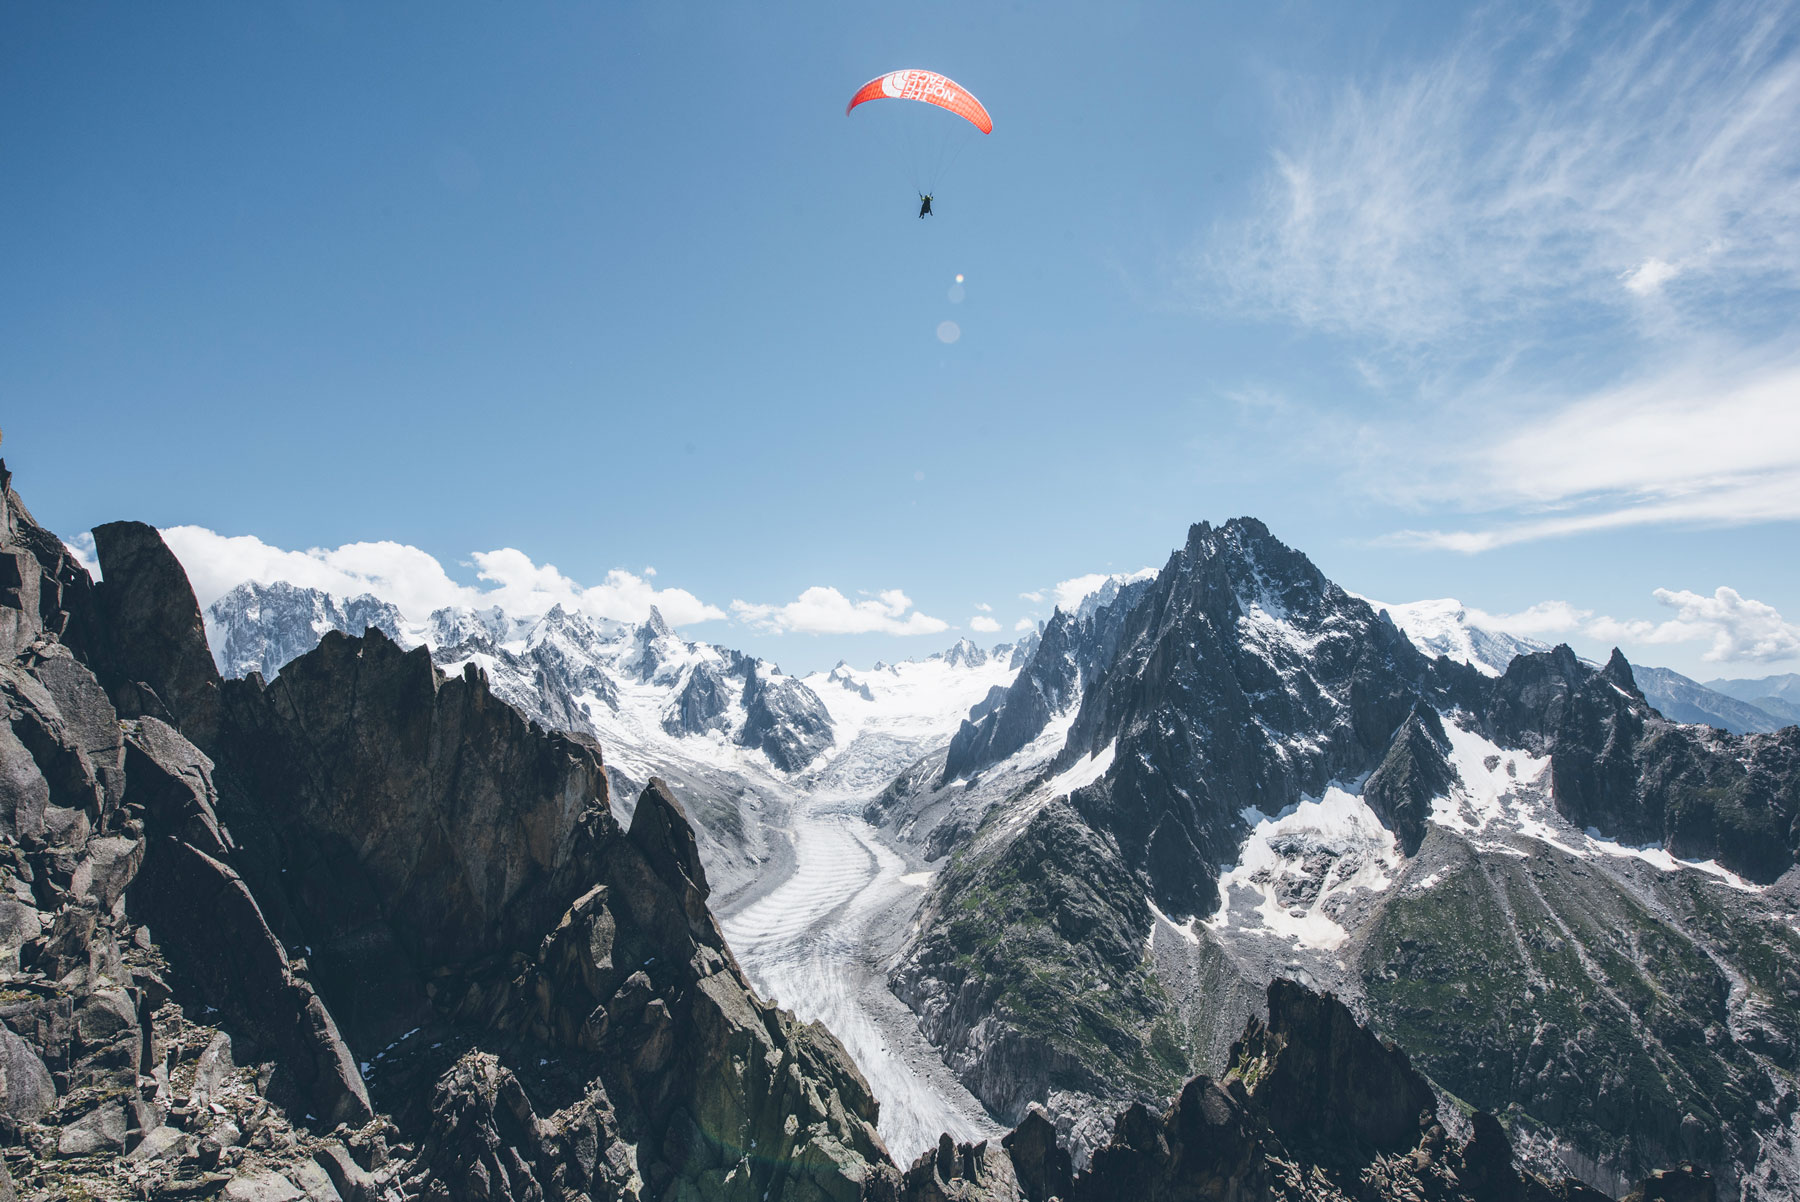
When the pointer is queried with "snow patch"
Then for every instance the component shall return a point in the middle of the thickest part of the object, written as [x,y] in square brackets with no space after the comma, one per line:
[1184,929]
[1301,866]
[1659,857]
[1491,795]
[1084,772]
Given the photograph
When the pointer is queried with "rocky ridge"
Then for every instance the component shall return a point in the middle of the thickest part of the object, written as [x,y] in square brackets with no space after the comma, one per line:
[204,877]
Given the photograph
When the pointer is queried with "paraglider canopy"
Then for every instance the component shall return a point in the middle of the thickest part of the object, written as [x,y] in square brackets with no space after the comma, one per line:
[928,86]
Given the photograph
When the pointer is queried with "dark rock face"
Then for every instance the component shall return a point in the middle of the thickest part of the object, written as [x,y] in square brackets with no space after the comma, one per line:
[1619,767]
[1415,770]
[1330,1079]
[1055,666]
[1314,1107]
[1043,1169]
[1044,687]
[213,930]
[465,821]
[1243,678]
[43,591]
[378,843]
[72,1037]
[159,665]
[1001,981]
[784,719]
[953,1172]
[703,702]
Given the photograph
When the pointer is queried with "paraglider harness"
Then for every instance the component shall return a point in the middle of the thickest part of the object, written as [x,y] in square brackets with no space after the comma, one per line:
[924,204]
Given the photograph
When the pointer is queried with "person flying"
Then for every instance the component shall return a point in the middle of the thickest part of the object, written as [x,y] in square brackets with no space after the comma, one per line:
[928,88]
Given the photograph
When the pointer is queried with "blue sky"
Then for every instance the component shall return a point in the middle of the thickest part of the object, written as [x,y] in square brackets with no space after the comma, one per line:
[1461,301]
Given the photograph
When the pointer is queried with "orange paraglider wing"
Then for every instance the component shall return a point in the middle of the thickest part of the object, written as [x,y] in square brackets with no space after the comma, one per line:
[928,86]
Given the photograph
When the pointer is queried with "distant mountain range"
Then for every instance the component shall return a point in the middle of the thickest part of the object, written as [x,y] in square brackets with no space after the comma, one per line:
[1443,627]
[1775,695]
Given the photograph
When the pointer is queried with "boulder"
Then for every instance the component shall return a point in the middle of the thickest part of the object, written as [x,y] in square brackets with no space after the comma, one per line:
[1042,1167]
[101,1131]
[262,1186]
[26,1091]
[171,779]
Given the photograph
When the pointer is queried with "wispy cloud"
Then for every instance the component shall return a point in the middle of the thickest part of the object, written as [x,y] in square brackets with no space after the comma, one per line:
[415,582]
[823,610]
[1563,255]
[1595,155]
[1705,444]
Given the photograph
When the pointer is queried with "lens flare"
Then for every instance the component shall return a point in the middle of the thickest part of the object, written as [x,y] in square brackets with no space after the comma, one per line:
[959,277]
[948,331]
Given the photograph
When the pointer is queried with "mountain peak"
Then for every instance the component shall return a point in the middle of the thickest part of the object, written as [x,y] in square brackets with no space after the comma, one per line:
[963,654]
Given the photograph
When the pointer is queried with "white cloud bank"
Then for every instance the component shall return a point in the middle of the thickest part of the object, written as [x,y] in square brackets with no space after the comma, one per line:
[1739,629]
[822,610]
[416,583]
[982,624]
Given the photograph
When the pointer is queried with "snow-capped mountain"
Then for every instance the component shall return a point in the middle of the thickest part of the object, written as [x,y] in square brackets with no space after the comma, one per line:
[742,737]
[1265,777]
[1442,627]
[261,627]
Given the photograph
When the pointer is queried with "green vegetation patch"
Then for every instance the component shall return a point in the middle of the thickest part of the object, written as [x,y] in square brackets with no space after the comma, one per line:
[1054,929]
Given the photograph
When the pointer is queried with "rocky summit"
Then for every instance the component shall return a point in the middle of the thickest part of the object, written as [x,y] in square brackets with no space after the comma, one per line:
[360,933]
[1574,912]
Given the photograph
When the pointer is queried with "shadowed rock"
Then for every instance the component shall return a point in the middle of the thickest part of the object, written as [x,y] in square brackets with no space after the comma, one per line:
[156,659]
